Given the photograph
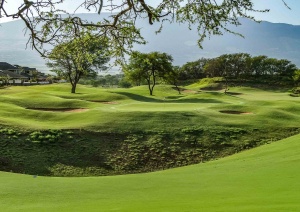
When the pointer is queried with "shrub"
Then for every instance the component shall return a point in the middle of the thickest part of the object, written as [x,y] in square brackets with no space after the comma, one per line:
[124,84]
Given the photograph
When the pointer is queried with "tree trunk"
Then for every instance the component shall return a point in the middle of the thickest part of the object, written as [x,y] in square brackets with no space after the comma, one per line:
[150,89]
[73,88]
[153,84]
[178,89]
[151,92]
[226,85]
[74,81]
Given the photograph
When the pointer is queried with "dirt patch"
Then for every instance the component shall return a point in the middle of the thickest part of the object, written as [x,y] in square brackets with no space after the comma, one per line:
[235,112]
[189,91]
[110,103]
[71,110]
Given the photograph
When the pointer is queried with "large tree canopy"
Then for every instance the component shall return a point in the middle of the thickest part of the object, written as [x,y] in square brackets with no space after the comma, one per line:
[150,67]
[80,57]
[243,66]
[47,23]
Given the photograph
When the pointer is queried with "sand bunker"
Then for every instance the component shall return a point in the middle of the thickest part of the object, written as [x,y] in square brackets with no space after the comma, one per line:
[189,91]
[235,112]
[71,110]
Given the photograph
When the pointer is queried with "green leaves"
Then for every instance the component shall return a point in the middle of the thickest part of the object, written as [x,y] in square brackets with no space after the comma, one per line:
[148,67]
[79,57]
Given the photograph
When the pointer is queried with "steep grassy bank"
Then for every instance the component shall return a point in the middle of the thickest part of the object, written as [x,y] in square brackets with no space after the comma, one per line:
[261,179]
[87,153]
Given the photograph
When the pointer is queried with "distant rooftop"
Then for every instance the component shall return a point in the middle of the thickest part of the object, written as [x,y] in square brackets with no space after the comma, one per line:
[6,73]
[6,66]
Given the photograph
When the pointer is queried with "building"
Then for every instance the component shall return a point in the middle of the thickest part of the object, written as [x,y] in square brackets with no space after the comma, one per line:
[18,75]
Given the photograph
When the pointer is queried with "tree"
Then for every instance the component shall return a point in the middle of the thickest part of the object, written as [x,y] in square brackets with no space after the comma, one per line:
[172,77]
[80,57]
[296,77]
[150,66]
[257,65]
[286,68]
[34,76]
[47,23]
[135,76]
[193,70]
[214,68]
[4,80]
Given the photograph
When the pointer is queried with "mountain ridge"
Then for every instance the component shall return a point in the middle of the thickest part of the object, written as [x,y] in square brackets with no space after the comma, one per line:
[279,40]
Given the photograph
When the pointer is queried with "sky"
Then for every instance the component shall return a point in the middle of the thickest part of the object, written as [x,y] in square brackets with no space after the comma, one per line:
[278,12]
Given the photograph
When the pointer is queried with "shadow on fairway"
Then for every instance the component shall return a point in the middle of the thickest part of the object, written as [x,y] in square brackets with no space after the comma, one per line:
[233,93]
[141,98]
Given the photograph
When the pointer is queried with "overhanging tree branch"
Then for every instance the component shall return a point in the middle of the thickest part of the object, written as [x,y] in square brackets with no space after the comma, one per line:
[47,24]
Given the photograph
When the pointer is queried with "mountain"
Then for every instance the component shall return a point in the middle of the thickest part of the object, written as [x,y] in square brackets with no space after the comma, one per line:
[271,39]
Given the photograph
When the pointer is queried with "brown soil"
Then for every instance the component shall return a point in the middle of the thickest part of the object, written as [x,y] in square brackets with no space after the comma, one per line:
[189,91]
[71,110]
[235,112]
[110,103]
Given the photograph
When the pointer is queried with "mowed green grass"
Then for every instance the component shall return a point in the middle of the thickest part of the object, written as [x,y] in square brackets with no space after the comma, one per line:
[262,179]
[134,109]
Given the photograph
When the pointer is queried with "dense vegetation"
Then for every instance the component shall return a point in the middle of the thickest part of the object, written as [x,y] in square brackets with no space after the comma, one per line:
[86,153]
[222,72]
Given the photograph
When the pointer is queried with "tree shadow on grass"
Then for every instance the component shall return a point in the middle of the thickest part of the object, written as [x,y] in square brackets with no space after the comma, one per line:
[233,93]
[141,98]
[214,101]
[137,97]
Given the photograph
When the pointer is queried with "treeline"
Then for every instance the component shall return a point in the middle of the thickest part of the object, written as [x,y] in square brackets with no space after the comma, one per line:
[240,66]
[156,67]
[109,80]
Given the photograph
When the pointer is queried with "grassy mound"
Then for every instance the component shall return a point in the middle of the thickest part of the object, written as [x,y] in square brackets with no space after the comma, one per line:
[261,179]
[134,110]
[46,130]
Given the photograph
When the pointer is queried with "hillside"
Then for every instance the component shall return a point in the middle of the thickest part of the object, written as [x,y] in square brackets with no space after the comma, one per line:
[46,130]
[271,39]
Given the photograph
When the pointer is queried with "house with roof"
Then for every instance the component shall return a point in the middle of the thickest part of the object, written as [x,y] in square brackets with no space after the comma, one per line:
[18,75]
[31,73]
[9,74]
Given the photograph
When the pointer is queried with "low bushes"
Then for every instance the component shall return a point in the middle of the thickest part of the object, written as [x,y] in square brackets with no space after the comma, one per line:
[296,92]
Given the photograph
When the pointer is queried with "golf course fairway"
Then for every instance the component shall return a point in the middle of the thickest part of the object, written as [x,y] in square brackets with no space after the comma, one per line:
[261,179]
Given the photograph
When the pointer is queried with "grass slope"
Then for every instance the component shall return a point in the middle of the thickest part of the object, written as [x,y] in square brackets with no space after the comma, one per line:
[262,179]
[133,109]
